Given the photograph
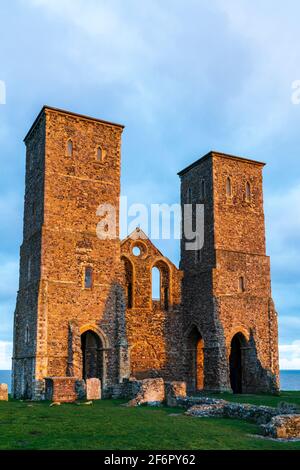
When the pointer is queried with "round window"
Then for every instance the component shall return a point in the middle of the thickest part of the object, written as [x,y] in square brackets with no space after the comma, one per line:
[136,251]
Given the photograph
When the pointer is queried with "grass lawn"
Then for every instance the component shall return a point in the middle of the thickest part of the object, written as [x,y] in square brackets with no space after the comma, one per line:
[107,425]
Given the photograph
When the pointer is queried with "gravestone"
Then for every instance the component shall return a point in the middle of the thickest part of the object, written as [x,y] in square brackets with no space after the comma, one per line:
[61,389]
[93,389]
[3,392]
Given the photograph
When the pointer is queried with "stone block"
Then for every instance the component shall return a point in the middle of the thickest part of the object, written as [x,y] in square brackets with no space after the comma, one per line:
[93,389]
[61,389]
[3,392]
[151,391]
[173,391]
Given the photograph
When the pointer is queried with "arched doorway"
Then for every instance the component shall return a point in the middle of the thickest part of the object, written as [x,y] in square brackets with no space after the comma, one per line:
[195,360]
[236,363]
[92,355]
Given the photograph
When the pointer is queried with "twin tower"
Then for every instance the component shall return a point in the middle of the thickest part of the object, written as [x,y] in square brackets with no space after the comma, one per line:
[85,307]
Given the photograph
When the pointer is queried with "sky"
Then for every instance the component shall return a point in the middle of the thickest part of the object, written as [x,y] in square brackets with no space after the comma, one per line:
[185,78]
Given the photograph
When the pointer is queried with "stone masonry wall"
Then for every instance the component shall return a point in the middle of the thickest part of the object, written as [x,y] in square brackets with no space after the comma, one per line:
[154,328]
[234,247]
[26,318]
[73,188]
[221,291]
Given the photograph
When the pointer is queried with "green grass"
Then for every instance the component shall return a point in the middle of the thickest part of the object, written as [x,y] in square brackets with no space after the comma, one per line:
[268,400]
[107,425]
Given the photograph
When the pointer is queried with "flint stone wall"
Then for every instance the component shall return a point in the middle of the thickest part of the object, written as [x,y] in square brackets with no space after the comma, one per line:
[283,426]
[275,422]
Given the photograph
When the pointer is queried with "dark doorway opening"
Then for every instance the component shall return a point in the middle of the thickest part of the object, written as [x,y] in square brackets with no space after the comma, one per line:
[92,355]
[236,363]
[195,349]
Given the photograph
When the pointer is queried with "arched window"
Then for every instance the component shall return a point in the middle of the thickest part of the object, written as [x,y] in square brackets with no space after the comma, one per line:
[248,191]
[128,280]
[99,154]
[242,284]
[88,278]
[161,284]
[203,189]
[189,196]
[195,360]
[136,251]
[29,269]
[70,148]
[27,334]
[155,283]
[228,187]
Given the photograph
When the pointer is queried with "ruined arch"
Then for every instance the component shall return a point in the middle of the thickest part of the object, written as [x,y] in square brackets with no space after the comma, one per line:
[98,331]
[194,359]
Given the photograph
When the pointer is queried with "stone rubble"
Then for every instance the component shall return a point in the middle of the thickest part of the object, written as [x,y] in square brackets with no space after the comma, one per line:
[283,427]
[281,422]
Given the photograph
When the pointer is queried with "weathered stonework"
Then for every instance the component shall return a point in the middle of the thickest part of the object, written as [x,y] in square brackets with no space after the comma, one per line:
[93,389]
[154,327]
[150,391]
[173,391]
[272,422]
[203,330]
[61,389]
[54,309]
[3,392]
[283,427]
[237,327]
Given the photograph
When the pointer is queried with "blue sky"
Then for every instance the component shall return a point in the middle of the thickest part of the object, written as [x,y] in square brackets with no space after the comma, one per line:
[185,78]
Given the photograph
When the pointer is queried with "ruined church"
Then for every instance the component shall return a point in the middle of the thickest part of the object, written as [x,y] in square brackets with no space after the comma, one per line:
[84,306]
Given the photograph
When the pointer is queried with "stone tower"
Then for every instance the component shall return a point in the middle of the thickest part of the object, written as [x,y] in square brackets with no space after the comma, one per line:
[230,323]
[70,309]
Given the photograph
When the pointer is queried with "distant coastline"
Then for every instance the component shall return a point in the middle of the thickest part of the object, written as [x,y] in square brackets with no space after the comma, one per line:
[289,379]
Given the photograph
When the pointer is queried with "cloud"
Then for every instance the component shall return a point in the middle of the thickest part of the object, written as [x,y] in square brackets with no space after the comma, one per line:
[184,80]
[290,355]
[5,355]
[283,241]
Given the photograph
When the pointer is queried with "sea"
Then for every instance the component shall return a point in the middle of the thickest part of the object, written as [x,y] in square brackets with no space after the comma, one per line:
[289,379]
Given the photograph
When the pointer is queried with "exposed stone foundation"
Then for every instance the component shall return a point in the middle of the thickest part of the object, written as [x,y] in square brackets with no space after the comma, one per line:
[283,427]
[275,422]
